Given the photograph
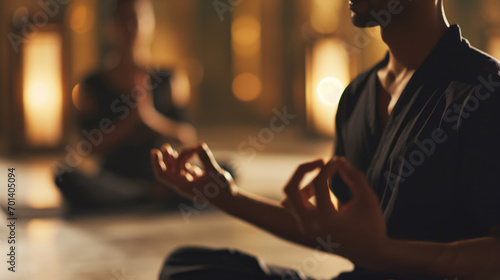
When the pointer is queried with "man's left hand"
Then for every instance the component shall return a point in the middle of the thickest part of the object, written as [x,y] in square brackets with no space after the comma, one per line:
[358,226]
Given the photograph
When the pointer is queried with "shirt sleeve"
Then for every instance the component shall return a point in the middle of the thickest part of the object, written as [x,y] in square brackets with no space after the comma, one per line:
[480,165]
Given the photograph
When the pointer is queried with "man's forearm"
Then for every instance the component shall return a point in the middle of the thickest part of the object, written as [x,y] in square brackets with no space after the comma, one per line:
[468,259]
[266,214]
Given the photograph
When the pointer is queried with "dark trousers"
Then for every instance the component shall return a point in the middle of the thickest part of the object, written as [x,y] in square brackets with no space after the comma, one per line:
[193,263]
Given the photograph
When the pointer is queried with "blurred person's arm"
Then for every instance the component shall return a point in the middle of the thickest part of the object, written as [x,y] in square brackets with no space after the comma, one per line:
[161,124]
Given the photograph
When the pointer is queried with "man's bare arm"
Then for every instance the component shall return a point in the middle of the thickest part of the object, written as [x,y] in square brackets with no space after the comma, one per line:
[360,230]
[174,171]
[468,259]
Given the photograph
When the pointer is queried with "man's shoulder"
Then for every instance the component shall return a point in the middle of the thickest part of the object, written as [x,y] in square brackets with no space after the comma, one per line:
[472,73]
[473,64]
[476,87]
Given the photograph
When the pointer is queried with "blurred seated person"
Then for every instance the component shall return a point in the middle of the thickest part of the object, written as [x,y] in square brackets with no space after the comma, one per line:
[143,109]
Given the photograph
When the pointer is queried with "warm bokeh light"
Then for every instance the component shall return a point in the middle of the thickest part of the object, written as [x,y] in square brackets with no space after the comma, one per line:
[491,10]
[494,47]
[181,89]
[328,72]
[42,89]
[323,18]
[146,22]
[246,35]
[330,90]
[246,43]
[43,231]
[45,195]
[75,96]
[82,18]
[247,87]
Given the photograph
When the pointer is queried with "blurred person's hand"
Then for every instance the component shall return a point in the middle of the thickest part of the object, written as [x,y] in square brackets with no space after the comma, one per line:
[174,170]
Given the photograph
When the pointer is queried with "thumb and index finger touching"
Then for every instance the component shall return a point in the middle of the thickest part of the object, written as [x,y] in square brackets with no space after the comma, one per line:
[351,176]
[160,162]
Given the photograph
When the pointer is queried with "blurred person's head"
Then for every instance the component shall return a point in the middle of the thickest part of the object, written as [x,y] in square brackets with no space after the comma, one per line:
[134,25]
[384,13]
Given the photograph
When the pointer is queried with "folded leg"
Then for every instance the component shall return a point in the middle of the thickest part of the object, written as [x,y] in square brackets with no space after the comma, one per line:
[202,263]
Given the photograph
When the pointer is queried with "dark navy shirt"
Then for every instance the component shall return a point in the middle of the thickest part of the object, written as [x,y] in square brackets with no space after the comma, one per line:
[435,165]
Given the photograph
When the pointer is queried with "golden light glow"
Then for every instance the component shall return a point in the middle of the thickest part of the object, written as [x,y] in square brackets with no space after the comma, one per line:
[45,195]
[43,231]
[246,87]
[246,35]
[82,18]
[328,72]
[491,8]
[323,15]
[329,90]
[494,47]
[42,89]
[146,25]
[75,96]
[181,89]
[246,45]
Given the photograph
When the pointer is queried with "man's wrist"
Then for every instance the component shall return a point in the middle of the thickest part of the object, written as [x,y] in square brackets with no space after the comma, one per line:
[380,257]
[390,255]
[226,198]
[411,257]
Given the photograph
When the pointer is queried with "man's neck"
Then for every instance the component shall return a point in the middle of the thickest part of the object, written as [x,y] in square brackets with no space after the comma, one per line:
[411,39]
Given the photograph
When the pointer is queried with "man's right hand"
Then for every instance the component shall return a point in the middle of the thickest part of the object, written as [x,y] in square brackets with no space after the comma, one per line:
[175,171]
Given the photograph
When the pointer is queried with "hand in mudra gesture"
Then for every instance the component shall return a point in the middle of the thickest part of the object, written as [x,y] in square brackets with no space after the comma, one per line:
[357,227]
[176,171]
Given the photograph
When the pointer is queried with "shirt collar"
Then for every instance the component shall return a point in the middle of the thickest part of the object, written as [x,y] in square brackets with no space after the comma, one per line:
[444,51]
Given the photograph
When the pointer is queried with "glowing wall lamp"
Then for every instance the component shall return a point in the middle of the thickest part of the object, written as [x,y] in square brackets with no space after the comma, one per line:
[327,75]
[43,90]
[39,91]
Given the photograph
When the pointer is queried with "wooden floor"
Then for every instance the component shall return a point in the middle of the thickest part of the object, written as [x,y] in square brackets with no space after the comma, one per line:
[133,246]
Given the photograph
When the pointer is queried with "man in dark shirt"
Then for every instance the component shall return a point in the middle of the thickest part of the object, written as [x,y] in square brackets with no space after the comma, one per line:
[422,126]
